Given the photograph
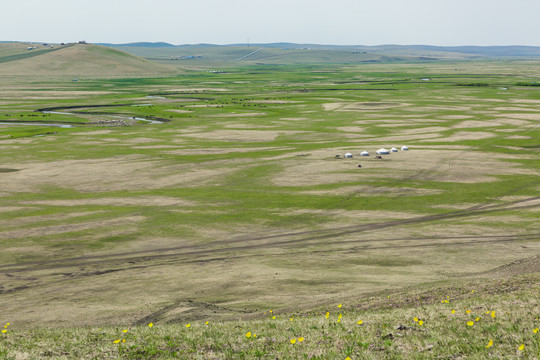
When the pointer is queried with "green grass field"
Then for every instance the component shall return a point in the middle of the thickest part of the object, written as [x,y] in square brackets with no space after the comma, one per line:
[237,203]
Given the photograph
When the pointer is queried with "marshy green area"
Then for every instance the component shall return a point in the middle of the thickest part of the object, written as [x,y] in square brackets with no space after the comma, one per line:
[237,203]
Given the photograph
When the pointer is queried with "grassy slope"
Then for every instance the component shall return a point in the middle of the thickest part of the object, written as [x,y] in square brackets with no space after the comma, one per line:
[457,320]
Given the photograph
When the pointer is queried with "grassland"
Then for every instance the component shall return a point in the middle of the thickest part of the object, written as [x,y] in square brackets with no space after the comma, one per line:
[237,204]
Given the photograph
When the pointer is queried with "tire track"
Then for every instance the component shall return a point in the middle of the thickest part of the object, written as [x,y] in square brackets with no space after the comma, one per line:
[300,238]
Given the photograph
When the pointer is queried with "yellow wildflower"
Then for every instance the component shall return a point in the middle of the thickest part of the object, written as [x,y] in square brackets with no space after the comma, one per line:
[420,322]
[291,319]
[248,334]
[116,341]
[453,311]
[300,339]
[493,314]
[293,341]
[489,343]
[468,311]
[125,330]
[327,315]
[4,331]
[535,331]
[339,306]
[151,324]
[188,325]
[521,347]
[470,323]
[477,319]
[274,317]
[206,323]
[359,322]
[415,319]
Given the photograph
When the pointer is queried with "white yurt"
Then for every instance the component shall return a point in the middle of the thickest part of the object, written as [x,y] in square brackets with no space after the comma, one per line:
[364,153]
[405,148]
[348,155]
[393,149]
[383,151]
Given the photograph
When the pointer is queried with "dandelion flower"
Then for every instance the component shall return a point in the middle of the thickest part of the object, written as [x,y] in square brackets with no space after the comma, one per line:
[271,311]
[291,319]
[493,314]
[348,358]
[415,319]
[339,306]
[359,322]
[521,347]
[293,341]
[468,311]
[123,341]
[477,319]
[340,316]
[4,331]
[274,317]
[420,322]
[254,335]
[206,323]
[188,325]
[535,331]
[489,343]
[300,339]
[327,315]
[470,323]
[453,311]
[248,334]
[116,341]
[487,312]
[125,330]
[151,324]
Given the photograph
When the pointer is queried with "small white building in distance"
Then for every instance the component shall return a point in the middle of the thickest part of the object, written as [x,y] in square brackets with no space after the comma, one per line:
[364,153]
[404,148]
[393,149]
[383,151]
[348,155]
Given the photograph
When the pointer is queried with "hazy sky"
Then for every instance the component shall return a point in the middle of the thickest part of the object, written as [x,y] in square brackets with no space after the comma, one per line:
[352,22]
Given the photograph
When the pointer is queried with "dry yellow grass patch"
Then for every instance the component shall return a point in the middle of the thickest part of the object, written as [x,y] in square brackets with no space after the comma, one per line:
[242,135]
[110,174]
[476,124]
[464,135]
[234,115]
[117,201]
[64,228]
[434,165]
[215,151]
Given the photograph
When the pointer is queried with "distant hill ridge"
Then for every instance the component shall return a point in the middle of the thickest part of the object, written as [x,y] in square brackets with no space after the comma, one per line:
[489,51]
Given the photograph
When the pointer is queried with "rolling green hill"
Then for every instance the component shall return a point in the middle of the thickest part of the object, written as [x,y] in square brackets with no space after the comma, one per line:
[77,60]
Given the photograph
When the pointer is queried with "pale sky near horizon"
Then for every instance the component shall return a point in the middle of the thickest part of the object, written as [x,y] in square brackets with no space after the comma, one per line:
[342,22]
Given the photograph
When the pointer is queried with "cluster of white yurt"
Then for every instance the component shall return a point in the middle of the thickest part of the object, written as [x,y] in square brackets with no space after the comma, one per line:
[381,151]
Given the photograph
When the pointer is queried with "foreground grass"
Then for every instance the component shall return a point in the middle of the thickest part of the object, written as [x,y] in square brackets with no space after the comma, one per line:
[493,319]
